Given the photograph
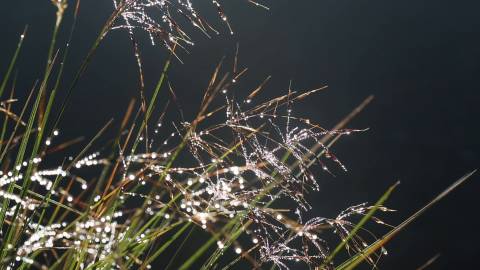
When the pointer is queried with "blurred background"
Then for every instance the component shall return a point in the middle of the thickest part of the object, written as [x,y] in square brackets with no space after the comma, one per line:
[420,59]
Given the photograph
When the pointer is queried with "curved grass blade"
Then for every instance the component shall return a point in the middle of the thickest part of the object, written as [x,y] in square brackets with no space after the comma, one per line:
[360,224]
[13,61]
[361,256]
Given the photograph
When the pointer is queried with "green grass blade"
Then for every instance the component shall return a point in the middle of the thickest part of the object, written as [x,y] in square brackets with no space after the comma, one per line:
[361,256]
[360,224]
[5,123]
[166,244]
[13,61]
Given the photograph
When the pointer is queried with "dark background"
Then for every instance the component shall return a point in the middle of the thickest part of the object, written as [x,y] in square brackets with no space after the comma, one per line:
[419,58]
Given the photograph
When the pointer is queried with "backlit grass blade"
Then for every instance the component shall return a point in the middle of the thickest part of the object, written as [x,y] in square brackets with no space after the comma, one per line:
[12,62]
[360,257]
[360,224]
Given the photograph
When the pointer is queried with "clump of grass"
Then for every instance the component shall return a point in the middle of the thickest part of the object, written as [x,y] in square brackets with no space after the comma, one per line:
[226,172]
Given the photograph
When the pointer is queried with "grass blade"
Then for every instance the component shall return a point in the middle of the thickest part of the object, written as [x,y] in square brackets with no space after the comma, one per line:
[360,257]
[360,224]
[13,61]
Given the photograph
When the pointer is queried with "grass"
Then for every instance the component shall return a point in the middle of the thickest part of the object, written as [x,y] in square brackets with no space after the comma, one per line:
[222,181]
